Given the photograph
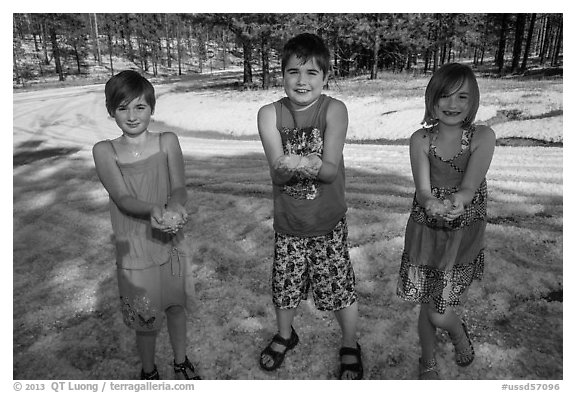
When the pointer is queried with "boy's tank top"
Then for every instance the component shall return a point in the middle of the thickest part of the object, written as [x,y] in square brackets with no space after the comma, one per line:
[306,207]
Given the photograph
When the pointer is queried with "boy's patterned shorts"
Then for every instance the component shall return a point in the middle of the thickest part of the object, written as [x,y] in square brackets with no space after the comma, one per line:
[320,262]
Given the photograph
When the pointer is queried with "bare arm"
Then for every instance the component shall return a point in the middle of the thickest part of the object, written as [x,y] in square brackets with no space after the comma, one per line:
[272,143]
[334,138]
[482,150]
[178,193]
[419,144]
[112,180]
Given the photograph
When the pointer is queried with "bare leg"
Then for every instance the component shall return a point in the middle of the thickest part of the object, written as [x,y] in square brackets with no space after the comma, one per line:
[426,333]
[146,345]
[284,319]
[176,321]
[348,320]
[452,323]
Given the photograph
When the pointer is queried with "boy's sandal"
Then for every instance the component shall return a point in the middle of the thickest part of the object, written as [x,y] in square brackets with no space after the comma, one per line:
[465,357]
[278,357]
[151,375]
[353,367]
[428,370]
[186,369]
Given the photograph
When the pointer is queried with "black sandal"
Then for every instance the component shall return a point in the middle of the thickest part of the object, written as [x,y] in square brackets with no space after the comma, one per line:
[428,369]
[464,358]
[354,367]
[184,368]
[278,357]
[151,375]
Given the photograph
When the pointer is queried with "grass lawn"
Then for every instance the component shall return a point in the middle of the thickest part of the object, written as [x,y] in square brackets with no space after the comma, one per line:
[66,270]
[66,318]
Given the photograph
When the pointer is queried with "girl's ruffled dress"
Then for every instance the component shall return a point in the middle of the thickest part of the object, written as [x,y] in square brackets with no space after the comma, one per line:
[441,258]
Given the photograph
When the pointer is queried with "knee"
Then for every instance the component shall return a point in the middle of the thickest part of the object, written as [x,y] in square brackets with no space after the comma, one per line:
[437,319]
[174,311]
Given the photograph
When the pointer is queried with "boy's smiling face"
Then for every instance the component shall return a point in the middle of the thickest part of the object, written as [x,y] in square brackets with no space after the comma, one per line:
[303,82]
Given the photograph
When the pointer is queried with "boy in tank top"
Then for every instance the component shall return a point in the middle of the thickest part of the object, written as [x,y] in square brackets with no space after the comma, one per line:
[303,136]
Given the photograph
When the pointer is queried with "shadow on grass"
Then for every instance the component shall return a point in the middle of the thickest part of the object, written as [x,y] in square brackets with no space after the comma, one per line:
[28,152]
[67,323]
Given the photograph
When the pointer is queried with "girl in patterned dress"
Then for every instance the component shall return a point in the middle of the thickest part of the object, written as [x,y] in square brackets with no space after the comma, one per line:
[143,173]
[303,137]
[444,242]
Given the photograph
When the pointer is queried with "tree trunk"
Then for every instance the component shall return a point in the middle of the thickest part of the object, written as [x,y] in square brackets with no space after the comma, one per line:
[247,49]
[155,56]
[502,43]
[518,38]
[111,53]
[77,57]
[16,70]
[128,35]
[224,49]
[167,32]
[528,43]
[189,35]
[557,45]
[38,53]
[436,43]
[409,61]
[179,48]
[96,34]
[44,40]
[56,53]
[375,50]
[265,53]
[545,41]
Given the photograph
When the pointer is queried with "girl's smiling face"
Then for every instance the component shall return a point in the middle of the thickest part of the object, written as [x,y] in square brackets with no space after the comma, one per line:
[133,117]
[303,82]
[453,109]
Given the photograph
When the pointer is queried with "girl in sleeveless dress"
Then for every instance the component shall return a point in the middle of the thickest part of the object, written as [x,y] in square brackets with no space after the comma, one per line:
[143,173]
[444,242]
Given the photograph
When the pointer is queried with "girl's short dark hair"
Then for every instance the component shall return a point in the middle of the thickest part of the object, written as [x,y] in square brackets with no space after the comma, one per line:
[446,81]
[306,46]
[126,86]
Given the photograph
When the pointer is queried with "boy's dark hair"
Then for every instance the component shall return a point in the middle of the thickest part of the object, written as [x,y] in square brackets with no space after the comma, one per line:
[306,46]
[126,86]
[446,81]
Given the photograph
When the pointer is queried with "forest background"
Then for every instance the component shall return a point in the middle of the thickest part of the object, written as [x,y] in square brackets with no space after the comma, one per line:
[212,73]
[178,44]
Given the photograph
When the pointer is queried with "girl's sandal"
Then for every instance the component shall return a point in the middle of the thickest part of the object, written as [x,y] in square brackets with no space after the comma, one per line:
[151,375]
[464,357]
[278,357]
[186,369]
[428,370]
[352,367]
